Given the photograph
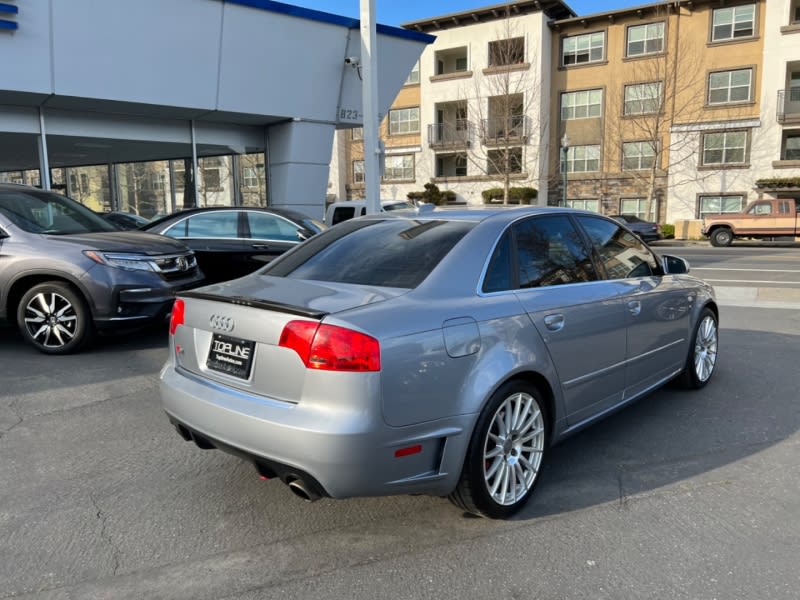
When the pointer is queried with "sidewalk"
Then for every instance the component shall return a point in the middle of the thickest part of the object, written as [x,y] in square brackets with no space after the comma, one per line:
[789,243]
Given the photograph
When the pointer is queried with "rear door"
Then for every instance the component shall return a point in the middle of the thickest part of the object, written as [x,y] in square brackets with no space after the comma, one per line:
[579,316]
[216,239]
[267,235]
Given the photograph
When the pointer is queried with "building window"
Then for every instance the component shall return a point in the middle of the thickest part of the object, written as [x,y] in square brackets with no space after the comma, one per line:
[404,120]
[580,49]
[585,104]
[638,155]
[725,87]
[645,39]
[451,165]
[159,181]
[724,148]
[583,159]
[451,60]
[733,22]
[642,98]
[357,133]
[635,206]
[500,162]
[358,171]
[398,167]
[585,204]
[507,52]
[791,146]
[794,12]
[413,76]
[249,177]
[717,205]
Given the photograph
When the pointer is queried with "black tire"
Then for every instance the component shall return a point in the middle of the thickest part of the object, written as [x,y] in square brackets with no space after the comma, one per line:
[721,237]
[53,318]
[488,460]
[702,356]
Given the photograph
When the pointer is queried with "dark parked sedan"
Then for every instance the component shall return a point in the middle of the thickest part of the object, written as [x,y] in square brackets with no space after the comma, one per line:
[125,220]
[230,242]
[441,352]
[647,230]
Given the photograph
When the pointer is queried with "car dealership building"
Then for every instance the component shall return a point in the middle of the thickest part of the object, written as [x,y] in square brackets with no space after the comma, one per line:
[88,89]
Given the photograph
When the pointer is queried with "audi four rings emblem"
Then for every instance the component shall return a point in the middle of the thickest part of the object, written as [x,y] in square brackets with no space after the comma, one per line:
[221,323]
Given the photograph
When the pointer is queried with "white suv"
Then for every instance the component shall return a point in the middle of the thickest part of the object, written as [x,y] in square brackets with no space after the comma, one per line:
[342,211]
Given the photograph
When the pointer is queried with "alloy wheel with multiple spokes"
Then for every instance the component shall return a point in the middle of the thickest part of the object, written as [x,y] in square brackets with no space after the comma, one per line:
[505,454]
[705,348]
[702,357]
[52,317]
[513,449]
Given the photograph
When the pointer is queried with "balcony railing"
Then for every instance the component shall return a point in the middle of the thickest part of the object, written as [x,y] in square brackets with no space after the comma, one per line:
[500,130]
[788,105]
[453,134]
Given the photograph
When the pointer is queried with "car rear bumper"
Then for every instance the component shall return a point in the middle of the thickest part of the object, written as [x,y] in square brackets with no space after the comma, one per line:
[345,453]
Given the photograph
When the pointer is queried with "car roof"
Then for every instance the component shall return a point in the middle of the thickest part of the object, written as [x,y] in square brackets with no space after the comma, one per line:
[283,212]
[479,213]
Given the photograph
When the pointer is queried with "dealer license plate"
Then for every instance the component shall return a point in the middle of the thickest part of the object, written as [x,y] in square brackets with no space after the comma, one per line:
[231,356]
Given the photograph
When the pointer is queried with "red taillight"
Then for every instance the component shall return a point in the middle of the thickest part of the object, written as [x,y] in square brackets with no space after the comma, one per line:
[331,348]
[176,318]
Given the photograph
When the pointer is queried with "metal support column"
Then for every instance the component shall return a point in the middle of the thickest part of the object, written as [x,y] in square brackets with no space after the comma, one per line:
[44,163]
[369,99]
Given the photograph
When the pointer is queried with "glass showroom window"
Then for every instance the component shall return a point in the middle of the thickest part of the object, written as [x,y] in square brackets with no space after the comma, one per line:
[404,120]
[638,155]
[642,98]
[585,204]
[580,49]
[645,39]
[583,159]
[358,171]
[585,104]
[398,167]
[730,86]
[733,22]
[635,206]
[724,148]
[717,205]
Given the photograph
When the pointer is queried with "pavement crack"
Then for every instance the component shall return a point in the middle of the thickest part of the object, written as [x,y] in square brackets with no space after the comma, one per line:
[104,535]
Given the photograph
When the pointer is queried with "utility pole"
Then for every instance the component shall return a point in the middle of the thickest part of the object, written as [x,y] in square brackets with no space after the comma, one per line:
[369,100]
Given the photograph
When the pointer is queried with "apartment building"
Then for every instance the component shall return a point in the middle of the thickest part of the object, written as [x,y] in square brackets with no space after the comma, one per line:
[658,109]
[475,112]
[777,164]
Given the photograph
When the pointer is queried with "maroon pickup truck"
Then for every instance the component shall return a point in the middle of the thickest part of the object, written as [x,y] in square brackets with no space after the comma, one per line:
[768,218]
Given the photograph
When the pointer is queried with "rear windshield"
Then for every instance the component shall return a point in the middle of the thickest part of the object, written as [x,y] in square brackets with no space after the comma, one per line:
[391,253]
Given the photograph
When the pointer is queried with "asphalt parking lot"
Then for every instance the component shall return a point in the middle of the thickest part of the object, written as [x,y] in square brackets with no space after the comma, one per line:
[682,495]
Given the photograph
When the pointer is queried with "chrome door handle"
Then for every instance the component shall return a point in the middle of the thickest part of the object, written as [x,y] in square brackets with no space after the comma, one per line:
[635,307]
[554,322]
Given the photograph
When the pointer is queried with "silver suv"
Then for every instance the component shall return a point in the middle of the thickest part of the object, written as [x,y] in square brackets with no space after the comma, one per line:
[65,272]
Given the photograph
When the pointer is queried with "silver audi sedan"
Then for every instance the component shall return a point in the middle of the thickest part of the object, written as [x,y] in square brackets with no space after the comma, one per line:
[440,353]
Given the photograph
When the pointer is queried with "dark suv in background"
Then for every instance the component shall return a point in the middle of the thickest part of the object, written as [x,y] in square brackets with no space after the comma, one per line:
[65,272]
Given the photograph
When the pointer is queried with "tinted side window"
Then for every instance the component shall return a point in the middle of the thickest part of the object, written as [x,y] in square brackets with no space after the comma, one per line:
[498,275]
[622,253]
[550,251]
[269,227]
[214,225]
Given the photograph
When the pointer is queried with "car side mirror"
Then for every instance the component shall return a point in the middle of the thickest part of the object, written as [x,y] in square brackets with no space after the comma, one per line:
[674,265]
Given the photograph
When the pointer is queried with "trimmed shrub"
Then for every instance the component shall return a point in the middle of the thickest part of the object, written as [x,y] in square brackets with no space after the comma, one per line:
[668,231]
[516,195]
[432,195]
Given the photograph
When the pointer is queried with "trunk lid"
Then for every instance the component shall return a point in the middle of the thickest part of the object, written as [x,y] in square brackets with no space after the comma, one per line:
[237,325]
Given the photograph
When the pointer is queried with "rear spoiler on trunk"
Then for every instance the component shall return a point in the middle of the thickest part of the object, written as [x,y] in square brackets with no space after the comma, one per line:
[257,303]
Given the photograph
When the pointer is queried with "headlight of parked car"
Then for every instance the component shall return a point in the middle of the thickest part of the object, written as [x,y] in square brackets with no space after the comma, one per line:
[130,262]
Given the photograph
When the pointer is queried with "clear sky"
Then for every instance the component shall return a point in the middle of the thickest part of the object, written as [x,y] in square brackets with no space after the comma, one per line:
[394,12]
